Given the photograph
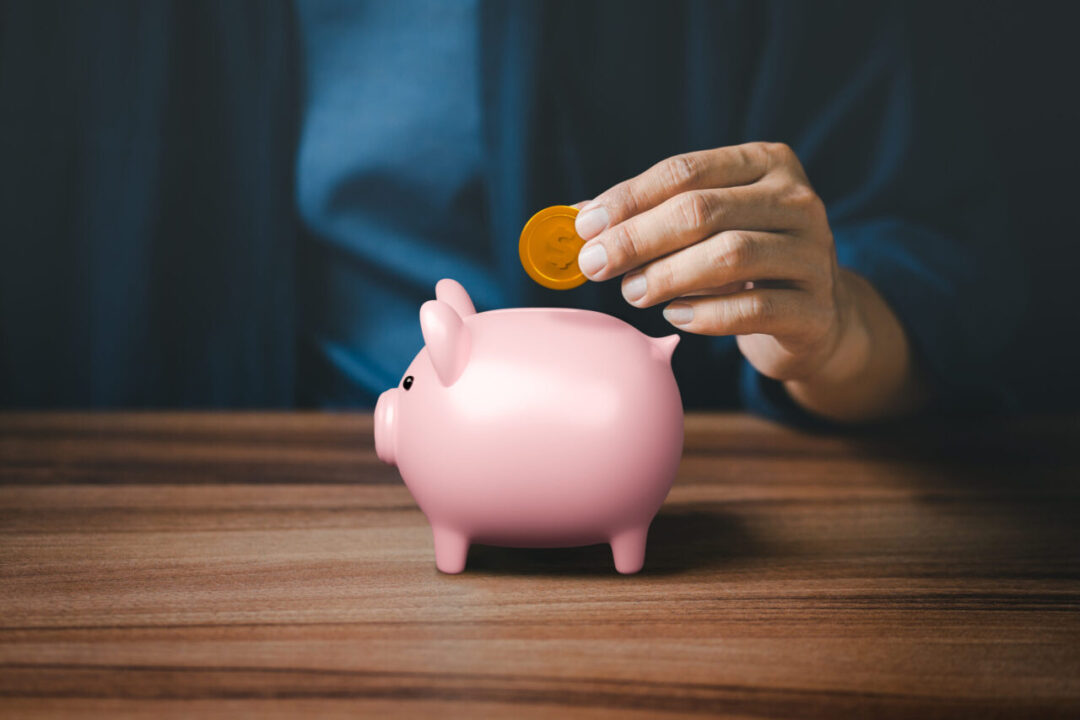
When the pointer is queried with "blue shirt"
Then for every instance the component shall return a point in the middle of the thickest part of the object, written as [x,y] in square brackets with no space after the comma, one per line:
[392,172]
[219,205]
[390,166]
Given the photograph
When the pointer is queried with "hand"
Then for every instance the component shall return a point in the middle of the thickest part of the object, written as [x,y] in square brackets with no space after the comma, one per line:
[741,243]
[739,239]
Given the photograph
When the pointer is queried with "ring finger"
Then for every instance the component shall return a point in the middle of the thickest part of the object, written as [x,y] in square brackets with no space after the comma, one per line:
[731,258]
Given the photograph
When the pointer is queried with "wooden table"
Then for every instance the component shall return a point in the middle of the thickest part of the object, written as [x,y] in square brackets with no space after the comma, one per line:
[232,564]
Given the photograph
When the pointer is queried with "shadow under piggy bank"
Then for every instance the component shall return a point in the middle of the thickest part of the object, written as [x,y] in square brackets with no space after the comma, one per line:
[680,540]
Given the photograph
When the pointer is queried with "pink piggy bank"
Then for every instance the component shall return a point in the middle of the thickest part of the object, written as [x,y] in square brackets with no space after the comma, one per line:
[533,427]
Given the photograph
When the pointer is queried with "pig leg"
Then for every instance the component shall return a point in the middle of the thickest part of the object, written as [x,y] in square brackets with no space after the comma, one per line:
[451,549]
[628,549]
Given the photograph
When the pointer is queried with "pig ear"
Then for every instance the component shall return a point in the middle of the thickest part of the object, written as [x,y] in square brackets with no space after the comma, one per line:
[666,345]
[447,340]
[453,294]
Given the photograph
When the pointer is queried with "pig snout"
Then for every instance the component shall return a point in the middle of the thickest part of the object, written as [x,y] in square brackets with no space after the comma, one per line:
[385,426]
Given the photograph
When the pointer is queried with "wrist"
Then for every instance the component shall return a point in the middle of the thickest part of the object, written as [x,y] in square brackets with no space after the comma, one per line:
[850,350]
[868,375]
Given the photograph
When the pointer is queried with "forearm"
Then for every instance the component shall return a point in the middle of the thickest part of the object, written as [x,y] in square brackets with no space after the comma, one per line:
[871,374]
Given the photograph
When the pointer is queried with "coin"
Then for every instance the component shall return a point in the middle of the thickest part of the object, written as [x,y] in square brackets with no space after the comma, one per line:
[549,248]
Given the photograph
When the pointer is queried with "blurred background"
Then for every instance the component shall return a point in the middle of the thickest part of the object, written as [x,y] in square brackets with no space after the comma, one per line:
[243,204]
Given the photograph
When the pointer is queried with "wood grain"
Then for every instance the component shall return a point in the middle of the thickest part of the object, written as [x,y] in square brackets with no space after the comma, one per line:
[267,564]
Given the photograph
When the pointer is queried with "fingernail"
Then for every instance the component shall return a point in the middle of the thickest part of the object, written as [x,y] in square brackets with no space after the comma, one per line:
[591,221]
[634,287]
[678,313]
[592,259]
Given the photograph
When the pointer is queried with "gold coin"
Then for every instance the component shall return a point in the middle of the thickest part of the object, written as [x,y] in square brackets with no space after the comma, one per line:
[549,248]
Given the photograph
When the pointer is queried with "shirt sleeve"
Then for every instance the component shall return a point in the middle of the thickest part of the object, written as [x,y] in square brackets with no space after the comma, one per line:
[887,137]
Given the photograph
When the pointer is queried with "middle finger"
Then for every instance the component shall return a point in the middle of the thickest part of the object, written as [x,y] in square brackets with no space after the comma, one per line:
[682,221]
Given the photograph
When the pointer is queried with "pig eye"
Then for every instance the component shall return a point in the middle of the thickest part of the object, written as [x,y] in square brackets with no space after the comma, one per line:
[407,382]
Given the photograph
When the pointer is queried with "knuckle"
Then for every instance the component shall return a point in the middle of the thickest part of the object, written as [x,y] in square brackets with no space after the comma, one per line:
[615,200]
[624,201]
[741,315]
[802,197]
[624,243]
[661,280]
[680,170]
[733,249]
[694,209]
[782,152]
[756,153]
[760,308]
[799,194]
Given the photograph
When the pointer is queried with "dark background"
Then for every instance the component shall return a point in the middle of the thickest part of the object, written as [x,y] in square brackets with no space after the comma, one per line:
[1020,62]
[1024,63]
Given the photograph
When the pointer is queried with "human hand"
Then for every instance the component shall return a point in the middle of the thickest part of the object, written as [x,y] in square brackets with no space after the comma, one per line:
[739,240]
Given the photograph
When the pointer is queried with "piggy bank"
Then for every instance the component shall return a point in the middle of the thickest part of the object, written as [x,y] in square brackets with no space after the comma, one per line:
[533,427]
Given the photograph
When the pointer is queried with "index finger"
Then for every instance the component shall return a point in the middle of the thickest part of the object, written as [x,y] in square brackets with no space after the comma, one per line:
[720,167]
